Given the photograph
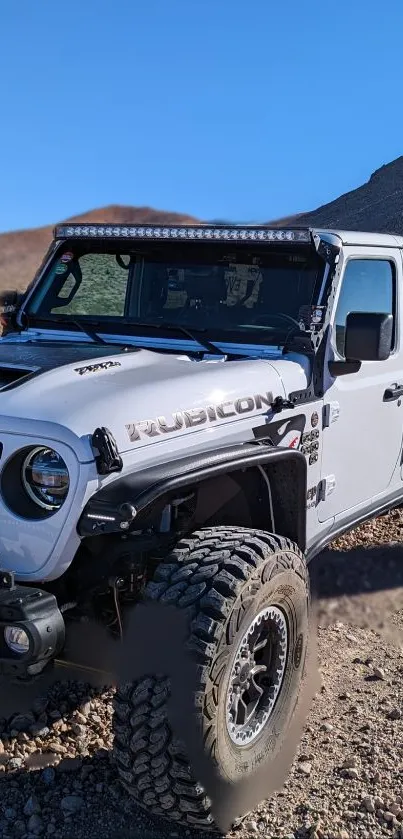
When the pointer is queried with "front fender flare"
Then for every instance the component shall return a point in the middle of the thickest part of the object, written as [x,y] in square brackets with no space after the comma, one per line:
[107,510]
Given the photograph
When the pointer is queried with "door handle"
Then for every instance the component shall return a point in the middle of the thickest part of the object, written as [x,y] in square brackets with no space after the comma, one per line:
[393,392]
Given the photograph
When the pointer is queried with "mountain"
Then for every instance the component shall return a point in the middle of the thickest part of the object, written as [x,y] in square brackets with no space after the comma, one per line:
[376,206]
[22,251]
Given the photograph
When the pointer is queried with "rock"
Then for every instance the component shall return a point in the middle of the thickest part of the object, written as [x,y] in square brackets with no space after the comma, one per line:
[19,828]
[251,827]
[80,718]
[15,763]
[327,726]
[369,804]
[48,776]
[379,673]
[395,714]
[305,768]
[57,748]
[10,813]
[40,705]
[85,709]
[72,803]
[35,825]
[22,722]
[32,806]
[1,747]
[350,762]
[353,774]
[388,817]
[80,730]
[38,730]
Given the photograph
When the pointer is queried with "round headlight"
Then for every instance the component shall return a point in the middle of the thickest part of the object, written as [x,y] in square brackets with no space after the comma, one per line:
[45,478]
[16,639]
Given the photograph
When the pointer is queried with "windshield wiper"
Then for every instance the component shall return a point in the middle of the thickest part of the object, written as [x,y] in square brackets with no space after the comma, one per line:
[66,320]
[192,334]
[83,327]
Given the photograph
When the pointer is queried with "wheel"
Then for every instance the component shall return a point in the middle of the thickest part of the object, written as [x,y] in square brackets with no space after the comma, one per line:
[247,595]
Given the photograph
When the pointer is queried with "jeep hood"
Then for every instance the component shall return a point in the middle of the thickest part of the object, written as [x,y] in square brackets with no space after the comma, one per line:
[79,387]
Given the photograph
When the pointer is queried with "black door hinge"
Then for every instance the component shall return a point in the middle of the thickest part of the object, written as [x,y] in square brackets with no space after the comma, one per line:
[109,459]
[281,404]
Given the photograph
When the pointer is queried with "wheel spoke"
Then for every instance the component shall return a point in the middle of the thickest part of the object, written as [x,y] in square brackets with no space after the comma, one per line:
[255,693]
[258,668]
[234,705]
[243,715]
[260,645]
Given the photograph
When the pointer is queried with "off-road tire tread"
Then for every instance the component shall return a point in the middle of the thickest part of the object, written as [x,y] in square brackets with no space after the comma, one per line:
[205,574]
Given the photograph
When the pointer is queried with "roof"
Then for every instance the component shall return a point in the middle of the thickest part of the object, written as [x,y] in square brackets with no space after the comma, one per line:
[223,232]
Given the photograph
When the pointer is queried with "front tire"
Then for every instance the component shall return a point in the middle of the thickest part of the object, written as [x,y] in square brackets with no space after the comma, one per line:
[247,596]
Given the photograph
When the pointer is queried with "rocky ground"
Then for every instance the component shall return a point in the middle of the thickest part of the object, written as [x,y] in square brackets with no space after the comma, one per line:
[56,779]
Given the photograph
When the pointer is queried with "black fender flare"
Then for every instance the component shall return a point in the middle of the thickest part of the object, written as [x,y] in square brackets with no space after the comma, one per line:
[119,506]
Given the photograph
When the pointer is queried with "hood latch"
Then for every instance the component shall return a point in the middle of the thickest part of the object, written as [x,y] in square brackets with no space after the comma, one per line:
[109,459]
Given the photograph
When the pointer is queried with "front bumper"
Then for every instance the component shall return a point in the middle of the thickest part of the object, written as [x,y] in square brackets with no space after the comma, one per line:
[36,612]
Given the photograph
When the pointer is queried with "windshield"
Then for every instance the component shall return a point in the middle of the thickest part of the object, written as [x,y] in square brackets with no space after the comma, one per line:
[234,296]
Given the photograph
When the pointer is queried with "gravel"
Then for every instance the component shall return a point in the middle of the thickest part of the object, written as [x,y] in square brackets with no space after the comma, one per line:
[346,782]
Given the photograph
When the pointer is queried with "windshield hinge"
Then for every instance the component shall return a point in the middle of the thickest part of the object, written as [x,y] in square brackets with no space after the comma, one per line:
[281,404]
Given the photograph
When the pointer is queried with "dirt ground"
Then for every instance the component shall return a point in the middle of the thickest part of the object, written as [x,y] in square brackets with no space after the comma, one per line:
[57,780]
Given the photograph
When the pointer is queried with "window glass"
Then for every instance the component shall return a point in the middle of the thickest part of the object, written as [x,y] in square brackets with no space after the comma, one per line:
[236,294]
[89,286]
[367,286]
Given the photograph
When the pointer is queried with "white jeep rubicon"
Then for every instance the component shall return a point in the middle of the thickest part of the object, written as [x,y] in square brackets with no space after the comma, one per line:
[188,415]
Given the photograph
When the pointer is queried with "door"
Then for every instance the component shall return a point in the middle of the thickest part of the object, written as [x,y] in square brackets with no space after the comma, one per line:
[362,437]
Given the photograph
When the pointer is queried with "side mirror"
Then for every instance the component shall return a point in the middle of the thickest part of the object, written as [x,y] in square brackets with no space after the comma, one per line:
[368,337]
[9,302]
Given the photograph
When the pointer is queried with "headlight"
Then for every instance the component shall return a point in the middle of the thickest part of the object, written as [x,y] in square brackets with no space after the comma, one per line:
[45,478]
[16,639]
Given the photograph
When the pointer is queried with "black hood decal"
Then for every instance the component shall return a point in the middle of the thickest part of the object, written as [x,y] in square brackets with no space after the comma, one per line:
[22,361]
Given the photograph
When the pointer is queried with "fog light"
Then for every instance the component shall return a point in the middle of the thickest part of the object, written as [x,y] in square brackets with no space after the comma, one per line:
[16,639]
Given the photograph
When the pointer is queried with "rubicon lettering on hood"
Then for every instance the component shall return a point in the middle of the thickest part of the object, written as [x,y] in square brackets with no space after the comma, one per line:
[193,417]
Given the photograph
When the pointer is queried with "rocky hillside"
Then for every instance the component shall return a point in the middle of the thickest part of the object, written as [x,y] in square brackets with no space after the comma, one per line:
[22,251]
[375,206]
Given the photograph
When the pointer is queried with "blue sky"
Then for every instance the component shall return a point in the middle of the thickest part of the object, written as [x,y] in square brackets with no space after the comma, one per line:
[218,108]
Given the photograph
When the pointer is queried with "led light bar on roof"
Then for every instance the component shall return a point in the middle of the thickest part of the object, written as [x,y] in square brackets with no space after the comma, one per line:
[156,232]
